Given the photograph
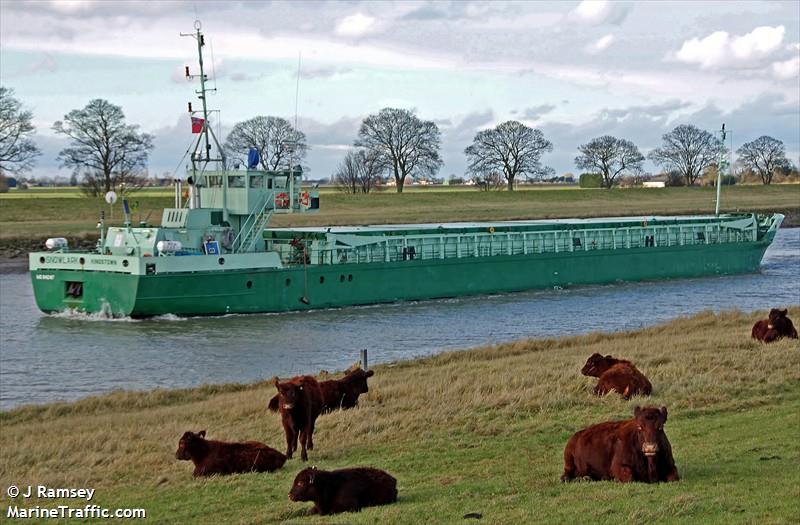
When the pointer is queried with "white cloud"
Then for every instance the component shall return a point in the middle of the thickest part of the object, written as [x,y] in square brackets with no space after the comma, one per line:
[720,49]
[787,69]
[355,25]
[601,44]
[596,12]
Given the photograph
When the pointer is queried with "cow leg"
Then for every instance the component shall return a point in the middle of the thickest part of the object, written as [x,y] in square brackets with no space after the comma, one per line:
[291,439]
[673,474]
[310,434]
[569,467]
[623,473]
[303,441]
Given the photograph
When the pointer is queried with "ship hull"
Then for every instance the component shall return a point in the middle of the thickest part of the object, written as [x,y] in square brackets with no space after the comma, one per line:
[325,286]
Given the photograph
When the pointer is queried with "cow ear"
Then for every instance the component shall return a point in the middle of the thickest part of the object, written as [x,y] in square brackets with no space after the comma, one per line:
[609,356]
[637,411]
[202,433]
[664,413]
[370,373]
[784,312]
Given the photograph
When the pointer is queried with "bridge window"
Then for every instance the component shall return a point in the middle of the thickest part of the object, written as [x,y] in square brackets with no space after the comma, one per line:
[236,181]
[256,181]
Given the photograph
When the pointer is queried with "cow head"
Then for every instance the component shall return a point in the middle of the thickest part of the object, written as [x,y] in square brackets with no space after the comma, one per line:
[288,394]
[650,428]
[597,364]
[304,487]
[358,379]
[776,317]
[187,443]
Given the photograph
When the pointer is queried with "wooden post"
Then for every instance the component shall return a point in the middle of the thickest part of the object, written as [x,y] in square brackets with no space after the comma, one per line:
[364,364]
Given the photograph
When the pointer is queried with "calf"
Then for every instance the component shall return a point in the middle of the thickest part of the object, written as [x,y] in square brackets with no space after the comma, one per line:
[339,393]
[300,403]
[632,450]
[616,375]
[778,325]
[344,490]
[218,457]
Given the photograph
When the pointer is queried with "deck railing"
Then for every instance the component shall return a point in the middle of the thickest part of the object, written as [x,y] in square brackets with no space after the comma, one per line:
[489,244]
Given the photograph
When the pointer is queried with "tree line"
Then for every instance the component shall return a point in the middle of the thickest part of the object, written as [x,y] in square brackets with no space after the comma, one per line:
[107,153]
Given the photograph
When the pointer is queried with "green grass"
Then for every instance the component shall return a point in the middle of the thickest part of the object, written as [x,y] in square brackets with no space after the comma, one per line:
[41,214]
[480,430]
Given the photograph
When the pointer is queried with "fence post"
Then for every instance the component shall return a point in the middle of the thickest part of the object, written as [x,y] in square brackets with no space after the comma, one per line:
[364,364]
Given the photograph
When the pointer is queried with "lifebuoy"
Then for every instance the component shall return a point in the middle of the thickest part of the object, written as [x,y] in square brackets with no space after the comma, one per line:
[282,200]
[491,229]
[304,198]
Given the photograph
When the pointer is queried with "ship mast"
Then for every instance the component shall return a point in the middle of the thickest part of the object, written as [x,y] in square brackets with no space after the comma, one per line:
[720,167]
[201,154]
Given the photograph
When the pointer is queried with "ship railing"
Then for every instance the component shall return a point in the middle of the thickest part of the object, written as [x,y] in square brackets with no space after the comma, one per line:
[485,244]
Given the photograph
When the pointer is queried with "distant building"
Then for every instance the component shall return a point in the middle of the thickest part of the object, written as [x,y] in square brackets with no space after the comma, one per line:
[654,184]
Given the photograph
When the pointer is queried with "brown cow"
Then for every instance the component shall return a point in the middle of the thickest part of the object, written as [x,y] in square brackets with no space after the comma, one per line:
[339,393]
[778,325]
[633,450]
[616,375]
[343,490]
[218,457]
[300,403]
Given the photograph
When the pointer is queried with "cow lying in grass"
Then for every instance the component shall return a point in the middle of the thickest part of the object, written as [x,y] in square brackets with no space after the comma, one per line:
[344,490]
[616,375]
[339,393]
[300,403]
[778,325]
[219,457]
[633,450]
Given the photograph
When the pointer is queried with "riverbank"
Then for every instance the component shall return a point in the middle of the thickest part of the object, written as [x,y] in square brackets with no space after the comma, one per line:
[27,220]
[479,430]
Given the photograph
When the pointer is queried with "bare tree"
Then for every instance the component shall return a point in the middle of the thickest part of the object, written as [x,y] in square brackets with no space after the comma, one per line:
[407,145]
[17,149]
[764,156]
[610,157]
[688,150]
[512,148]
[270,136]
[107,152]
[359,171]
[490,181]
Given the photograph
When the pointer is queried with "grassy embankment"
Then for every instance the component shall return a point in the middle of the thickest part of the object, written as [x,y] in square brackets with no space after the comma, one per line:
[481,430]
[39,214]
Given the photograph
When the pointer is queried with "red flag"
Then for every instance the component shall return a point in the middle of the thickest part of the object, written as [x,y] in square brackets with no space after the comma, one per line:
[197,124]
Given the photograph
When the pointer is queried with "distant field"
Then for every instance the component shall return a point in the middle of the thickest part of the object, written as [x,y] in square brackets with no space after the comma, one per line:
[481,431]
[41,213]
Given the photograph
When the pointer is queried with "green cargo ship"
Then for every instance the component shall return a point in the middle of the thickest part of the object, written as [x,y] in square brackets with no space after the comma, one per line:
[213,254]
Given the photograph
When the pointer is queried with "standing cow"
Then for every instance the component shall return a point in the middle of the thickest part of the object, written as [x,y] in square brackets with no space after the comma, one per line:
[778,325]
[339,393]
[633,450]
[300,403]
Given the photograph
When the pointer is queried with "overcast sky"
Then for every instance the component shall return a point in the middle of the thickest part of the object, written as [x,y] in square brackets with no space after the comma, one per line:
[575,70]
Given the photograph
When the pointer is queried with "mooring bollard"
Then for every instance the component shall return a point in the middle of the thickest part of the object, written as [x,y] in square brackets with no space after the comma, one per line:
[364,364]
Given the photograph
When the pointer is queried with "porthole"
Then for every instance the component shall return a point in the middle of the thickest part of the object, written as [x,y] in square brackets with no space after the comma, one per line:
[41,260]
[341,278]
[350,278]
[221,261]
[82,261]
[321,279]
[124,263]
[288,281]
[249,284]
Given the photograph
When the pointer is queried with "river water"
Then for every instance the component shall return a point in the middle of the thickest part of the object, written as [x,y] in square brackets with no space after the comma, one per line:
[68,356]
